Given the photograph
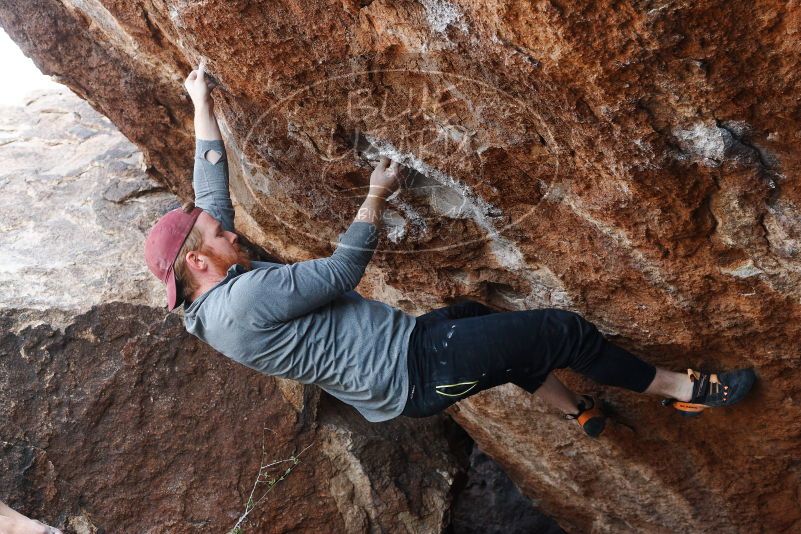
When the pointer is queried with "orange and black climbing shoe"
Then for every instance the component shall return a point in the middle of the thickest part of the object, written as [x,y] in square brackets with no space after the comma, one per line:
[711,390]
[589,417]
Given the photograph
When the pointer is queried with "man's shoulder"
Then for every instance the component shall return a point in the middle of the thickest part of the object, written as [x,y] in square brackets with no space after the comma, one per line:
[239,276]
[242,286]
[235,291]
[265,264]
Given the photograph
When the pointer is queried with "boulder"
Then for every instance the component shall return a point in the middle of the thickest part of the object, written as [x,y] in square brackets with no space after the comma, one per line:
[634,162]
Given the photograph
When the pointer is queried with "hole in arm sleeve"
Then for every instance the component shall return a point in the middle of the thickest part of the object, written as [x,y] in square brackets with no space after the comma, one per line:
[213,156]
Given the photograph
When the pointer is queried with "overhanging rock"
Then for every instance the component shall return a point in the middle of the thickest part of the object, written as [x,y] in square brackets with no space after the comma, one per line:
[636,163]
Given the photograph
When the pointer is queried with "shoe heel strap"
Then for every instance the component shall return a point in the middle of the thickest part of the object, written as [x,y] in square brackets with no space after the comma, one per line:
[587,415]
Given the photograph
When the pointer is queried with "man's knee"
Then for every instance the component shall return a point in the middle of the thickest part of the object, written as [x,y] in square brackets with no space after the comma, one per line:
[583,339]
[470,308]
[479,308]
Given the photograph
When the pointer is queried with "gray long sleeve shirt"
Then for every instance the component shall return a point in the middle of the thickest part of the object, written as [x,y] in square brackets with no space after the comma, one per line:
[304,321]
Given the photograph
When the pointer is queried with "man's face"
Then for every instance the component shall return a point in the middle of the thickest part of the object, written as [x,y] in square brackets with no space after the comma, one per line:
[220,247]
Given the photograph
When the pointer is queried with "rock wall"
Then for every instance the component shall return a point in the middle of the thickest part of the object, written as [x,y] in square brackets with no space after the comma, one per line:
[634,162]
[114,419]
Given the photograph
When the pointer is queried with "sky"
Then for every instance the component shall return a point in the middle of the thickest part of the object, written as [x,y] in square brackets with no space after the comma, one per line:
[20,73]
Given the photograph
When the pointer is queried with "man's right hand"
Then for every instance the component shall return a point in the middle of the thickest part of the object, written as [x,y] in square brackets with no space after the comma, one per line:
[199,86]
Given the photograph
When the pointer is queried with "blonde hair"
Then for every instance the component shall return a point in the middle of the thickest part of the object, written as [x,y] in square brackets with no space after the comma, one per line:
[194,242]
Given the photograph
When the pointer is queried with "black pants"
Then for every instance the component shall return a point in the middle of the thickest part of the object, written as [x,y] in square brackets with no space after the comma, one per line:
[459,350]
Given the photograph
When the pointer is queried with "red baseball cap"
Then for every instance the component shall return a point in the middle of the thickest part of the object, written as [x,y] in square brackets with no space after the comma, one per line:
[163,244]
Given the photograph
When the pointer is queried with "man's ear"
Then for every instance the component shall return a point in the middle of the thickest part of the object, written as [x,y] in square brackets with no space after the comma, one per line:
[195,261]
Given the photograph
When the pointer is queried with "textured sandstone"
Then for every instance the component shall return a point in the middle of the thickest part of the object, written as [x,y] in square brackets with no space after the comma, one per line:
[635,162]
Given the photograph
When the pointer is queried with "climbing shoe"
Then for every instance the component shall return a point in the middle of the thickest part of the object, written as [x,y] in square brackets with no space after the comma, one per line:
[711,390]
[589,417]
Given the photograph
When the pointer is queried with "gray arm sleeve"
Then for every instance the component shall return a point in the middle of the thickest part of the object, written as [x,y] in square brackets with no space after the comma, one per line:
[210,181]
[282,293]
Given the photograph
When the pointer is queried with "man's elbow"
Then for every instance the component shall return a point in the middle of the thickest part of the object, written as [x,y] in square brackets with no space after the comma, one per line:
[353,279]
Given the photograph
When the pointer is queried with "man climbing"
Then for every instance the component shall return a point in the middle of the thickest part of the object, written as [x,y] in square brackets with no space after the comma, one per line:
[305,322]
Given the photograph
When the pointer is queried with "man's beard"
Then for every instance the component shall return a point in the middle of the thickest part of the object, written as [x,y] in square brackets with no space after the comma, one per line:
[223,262]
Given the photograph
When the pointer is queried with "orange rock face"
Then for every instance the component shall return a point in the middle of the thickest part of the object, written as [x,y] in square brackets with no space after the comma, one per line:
[635,163]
